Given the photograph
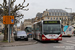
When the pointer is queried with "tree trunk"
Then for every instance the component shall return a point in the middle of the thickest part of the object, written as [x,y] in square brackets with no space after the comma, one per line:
[6,33]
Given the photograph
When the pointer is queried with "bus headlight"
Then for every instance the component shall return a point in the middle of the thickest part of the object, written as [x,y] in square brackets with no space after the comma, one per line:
[43,38]
[60,37]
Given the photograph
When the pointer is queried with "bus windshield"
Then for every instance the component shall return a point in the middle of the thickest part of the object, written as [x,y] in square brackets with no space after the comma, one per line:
[51,29]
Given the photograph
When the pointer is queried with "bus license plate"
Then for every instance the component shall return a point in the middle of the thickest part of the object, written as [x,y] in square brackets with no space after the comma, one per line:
[68,34]
[52,39]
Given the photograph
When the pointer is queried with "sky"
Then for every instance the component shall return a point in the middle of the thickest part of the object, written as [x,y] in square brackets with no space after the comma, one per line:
[36,6]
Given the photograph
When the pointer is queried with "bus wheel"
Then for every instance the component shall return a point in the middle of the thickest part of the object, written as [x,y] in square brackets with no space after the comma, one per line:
[33,38]
[69,36]
[57,41]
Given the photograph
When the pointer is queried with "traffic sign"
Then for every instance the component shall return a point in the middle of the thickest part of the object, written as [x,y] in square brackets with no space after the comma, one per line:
[8,19]
[12,20]
[30,34]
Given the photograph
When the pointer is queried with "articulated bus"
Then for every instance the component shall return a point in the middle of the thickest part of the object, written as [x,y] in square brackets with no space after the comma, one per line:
[47,30]
[68,31]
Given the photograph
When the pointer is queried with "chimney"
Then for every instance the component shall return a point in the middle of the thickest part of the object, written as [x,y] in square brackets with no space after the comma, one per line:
[46,9]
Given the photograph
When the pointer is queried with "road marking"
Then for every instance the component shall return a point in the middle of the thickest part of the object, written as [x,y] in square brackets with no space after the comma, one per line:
[71,41]
[70,44]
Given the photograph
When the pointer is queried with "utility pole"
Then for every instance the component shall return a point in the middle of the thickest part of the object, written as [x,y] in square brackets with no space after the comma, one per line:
[9,25]
[70,15]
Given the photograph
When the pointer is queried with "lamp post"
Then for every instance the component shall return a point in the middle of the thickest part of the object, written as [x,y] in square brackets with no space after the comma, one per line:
[70,9]
[9,25]
[71,12]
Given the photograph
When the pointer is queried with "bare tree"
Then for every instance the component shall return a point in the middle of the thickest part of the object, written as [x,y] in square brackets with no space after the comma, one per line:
[14,9]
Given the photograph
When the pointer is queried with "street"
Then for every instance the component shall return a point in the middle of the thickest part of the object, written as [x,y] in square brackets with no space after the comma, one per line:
[67,43]
[29,25]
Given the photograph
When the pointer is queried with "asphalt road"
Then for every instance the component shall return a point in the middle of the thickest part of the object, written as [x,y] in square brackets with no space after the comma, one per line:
[68,43]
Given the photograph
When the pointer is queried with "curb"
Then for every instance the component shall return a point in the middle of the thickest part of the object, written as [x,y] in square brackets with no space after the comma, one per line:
[19,44]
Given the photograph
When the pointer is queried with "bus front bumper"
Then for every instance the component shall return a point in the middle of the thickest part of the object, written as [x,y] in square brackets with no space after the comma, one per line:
[58,39]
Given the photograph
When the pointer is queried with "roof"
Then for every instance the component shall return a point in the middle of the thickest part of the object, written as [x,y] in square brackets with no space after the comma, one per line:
[39,15]
[56,10]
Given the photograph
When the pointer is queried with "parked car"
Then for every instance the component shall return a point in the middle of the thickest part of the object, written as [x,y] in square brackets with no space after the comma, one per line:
[20,35]
[14,32]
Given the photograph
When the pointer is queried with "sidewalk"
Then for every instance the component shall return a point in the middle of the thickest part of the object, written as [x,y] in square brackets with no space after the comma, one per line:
[1,37]
[18,43]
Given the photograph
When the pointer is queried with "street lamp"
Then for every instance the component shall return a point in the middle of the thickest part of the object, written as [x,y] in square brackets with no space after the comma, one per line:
[71,12]
[70,9]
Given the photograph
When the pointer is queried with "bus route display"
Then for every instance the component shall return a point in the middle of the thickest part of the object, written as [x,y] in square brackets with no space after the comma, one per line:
[51,22]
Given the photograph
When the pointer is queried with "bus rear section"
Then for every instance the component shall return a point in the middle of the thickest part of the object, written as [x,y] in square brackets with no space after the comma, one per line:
[74,28]
[68,31]
[50,31]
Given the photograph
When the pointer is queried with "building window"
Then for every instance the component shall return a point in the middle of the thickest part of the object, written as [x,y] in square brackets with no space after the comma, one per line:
[46,18]
[65,22]
[62,18]
[63,14]
[52,14]
[66,14]
[0,25]
[62,21]
[55,14]
[59,14]
[51,18]
[49,14]
[56,18]
[65,17]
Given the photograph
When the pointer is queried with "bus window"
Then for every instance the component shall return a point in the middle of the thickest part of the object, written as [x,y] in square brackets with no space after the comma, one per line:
[51,29]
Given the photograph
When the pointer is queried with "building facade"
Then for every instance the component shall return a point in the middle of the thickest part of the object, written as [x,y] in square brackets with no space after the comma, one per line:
[51,14]
[73,18]
[1,26]
[54,14]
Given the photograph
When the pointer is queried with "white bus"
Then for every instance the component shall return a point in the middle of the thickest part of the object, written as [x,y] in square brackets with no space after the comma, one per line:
[47,30]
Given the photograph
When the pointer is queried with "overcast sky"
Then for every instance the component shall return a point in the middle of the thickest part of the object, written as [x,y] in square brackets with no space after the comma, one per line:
[36,6]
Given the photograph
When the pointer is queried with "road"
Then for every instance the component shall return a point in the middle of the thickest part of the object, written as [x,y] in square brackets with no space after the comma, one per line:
[68,43]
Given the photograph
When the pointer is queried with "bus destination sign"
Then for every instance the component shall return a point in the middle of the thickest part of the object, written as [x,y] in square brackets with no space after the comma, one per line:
[51,22]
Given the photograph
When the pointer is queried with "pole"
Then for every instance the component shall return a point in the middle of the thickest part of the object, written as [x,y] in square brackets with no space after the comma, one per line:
[9,26]
[70,15]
